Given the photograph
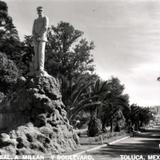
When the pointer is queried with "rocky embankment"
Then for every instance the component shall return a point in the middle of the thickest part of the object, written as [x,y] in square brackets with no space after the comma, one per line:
[33,119]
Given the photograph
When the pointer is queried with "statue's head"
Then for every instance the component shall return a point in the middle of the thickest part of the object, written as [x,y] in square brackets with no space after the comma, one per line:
[40,10]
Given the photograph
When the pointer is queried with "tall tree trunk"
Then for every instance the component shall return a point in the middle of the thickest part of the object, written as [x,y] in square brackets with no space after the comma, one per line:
[111,125]
[93,112]
[103,126]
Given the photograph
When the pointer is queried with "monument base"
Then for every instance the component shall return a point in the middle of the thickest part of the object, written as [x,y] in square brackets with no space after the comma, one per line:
[38,74]
[33,119]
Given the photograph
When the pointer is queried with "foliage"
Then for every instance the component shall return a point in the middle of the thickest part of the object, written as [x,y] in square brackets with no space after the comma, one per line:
[10,51]
[94,127]
[8,73]
[9,39]
[115,106]
[67,53]
[140,116]
[76,94]
[103,99]
[27,52]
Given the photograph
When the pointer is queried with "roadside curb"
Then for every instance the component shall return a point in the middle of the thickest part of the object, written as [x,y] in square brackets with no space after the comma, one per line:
[118,140]
[100,146]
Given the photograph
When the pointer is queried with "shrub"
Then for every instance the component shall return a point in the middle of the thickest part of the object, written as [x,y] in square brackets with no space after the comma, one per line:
[117,128]
[94,127]
[8,73]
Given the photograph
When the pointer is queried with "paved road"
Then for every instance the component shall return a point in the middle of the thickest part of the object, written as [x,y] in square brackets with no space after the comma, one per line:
[146,143]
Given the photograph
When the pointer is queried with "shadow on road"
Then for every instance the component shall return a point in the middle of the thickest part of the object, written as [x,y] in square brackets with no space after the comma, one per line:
[144,143]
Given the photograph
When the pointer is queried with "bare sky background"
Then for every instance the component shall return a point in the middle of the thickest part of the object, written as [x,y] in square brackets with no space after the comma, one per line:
[126,34]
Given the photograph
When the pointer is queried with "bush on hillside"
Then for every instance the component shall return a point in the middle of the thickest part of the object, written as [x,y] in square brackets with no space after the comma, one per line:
[8,73]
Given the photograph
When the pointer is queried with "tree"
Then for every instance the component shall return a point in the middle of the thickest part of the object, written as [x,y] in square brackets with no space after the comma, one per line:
[67,53]
[115,105]
[76,94]
[140,116]
[27,53]
[99,93]
[94,127]
[10,48]
[8,74]
[9,39]
[86,95]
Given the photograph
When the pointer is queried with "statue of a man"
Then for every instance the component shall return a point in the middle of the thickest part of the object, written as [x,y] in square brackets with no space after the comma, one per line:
[39,33]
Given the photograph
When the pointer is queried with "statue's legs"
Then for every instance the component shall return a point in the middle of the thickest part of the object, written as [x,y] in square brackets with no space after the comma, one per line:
[39,58]
[41,55]
[36,56]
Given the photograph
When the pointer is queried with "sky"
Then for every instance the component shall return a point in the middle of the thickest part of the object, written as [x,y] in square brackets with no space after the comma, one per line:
[126,34]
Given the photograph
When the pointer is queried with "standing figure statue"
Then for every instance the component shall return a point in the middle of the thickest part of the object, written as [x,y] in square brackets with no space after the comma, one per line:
[39,33]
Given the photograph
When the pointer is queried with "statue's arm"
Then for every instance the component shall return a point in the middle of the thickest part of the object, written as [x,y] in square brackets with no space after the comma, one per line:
[45,26]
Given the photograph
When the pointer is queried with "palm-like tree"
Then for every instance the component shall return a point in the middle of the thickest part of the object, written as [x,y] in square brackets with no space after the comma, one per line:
[114,110]
[86,96]
[98,98]
[115,104]
[140,116]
